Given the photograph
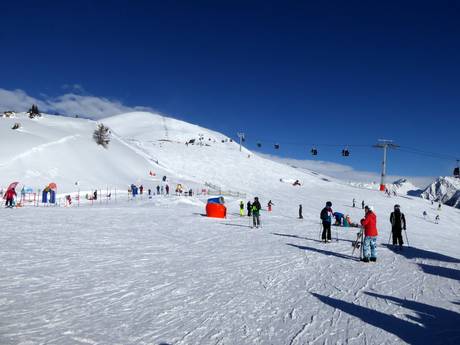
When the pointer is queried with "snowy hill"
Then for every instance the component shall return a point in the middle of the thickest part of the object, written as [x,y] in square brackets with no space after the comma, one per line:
[445,190]
[401,186]
[62,150]
[155,271]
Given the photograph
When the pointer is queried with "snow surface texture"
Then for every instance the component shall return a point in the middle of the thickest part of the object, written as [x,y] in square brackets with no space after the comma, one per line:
[155,271]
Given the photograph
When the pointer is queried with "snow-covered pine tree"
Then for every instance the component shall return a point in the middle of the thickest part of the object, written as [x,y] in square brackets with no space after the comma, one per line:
[34,112]
[101,135]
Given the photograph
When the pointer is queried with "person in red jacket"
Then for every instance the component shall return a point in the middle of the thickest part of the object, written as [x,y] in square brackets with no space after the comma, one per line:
[369,223]
[9,196]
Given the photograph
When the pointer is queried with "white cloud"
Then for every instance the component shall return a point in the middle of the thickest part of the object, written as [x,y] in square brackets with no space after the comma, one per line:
[345,172]
[70,104]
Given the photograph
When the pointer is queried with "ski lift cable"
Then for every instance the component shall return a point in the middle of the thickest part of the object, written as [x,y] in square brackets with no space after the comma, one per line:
[426,153]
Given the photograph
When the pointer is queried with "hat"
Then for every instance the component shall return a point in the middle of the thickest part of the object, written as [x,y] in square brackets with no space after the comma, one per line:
[370,208]
[397,206]
[329,203]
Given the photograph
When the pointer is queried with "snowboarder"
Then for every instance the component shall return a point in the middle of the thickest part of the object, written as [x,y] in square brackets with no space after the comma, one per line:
[269,205]
[354,202]
[436,220]
[362,205]
[241,208]
[249,208]
[256,213]
[326,217]
[300,212]
[369,223]
[398,223]
[9,197]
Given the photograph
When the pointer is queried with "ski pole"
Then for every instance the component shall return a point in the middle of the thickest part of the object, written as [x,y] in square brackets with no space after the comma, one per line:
[407,239]
[389,238]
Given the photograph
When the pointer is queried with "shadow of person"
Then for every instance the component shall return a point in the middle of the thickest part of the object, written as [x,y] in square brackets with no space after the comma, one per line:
[417,253]
[325,252]
[445,272]
[434,325]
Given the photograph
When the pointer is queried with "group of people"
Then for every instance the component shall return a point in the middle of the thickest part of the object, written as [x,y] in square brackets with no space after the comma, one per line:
[369,224]
[253,210]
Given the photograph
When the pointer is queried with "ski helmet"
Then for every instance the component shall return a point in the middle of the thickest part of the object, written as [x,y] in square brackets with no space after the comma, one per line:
[329,204]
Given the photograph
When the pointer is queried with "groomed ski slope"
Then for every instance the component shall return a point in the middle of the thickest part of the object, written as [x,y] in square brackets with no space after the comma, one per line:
[158,272]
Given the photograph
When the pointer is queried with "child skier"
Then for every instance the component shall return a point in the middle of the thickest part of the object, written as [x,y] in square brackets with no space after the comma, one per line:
[326,217]
[241,208]
[269,205]
[369,222]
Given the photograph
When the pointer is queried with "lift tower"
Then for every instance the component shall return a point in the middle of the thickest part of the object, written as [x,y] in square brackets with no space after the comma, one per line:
[384,144]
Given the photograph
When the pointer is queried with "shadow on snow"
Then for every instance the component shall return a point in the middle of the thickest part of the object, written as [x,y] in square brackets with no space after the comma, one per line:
[433,325]
[325,252]
[416,253]
[445,272]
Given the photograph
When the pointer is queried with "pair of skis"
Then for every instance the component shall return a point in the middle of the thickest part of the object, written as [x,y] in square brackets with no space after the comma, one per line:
[358,243]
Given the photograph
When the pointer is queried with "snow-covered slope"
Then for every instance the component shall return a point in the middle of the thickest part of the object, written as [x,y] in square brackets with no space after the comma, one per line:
[155,271]
[62,150]
[401,186]
[445,190]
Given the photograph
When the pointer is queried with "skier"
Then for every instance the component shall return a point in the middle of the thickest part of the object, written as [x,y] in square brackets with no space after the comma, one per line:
[436,220]
[354,202]
[424,214]
[256,213]
[326,217]
[249,208]
[398,223]
[269,205]
[9,197]
[362,205]
[149,191]
[439,207]
[95,195]
[167,189]
[241,208]
[158,189]
[141,189]
[369,222]
[300,212]
[162,190]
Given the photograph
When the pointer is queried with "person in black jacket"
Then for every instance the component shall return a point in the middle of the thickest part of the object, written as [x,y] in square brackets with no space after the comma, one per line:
[256,207]
[300,212]
[398,223]
[249,208]
[326,217]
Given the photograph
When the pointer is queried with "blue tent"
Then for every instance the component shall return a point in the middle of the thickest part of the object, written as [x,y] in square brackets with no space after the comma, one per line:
[218,200]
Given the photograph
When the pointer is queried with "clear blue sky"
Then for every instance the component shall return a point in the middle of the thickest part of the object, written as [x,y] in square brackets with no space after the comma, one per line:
[345,72]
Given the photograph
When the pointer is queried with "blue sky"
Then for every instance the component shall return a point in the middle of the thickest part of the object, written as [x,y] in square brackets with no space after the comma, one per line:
[293,72]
